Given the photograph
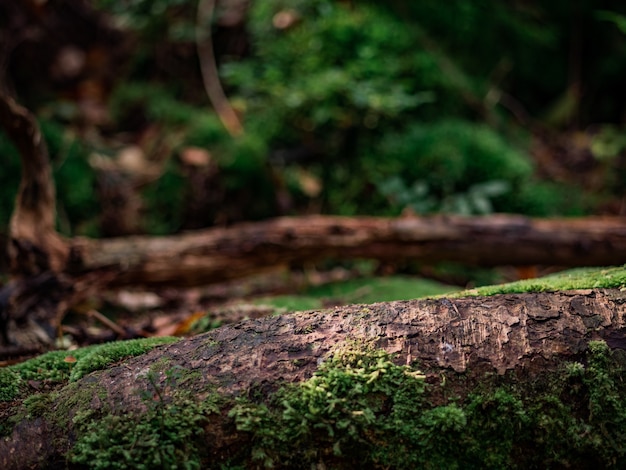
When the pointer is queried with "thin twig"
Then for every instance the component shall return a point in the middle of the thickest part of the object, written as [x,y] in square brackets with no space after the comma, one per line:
[108,323]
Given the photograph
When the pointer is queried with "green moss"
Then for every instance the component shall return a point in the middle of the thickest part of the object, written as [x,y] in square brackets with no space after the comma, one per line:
[37,405]
[100,357]
[353,393]
[363,290]
[9,384]
[162,438]
[166,435]
[53,367]
[361,409]
[77,397]
[581,278]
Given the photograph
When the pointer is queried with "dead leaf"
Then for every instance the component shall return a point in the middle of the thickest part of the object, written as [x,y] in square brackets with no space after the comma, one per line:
[195,156]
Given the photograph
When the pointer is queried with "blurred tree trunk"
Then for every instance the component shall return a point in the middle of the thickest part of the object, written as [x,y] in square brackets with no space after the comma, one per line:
[523,333]
[37,254]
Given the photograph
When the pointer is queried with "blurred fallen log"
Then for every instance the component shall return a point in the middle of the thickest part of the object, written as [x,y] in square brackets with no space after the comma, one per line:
[219,254]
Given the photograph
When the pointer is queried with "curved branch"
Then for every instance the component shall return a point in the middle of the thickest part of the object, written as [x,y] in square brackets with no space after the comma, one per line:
[32,226]
[208,67]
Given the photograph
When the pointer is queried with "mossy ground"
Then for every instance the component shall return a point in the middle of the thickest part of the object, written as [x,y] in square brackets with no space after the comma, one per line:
[362,290]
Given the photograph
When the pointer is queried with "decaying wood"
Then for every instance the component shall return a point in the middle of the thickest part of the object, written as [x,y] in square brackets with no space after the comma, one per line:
[469,336]
[34,246]
[219,254]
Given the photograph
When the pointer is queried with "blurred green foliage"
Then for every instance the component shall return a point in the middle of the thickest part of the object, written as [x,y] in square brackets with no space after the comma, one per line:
[354,108]
[135,103]
[332,69]
[398,107]
[164,202]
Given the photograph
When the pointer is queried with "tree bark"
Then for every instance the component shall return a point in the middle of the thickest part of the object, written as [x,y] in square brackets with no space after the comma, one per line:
[464,338]
[219,254]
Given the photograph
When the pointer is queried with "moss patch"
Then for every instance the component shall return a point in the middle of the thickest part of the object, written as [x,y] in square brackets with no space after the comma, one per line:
[331,412]
[100,357]
[361,409]
[167,435]
[580,278]
[58,367]
[363,290]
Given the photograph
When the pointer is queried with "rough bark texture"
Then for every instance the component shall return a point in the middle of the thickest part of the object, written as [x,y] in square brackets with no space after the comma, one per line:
[468,336]
[218,254]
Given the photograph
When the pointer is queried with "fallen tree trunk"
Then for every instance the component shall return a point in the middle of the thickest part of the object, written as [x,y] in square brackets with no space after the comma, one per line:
[457,343]
[219,254]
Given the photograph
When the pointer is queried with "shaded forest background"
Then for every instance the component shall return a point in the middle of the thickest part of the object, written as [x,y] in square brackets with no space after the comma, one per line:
[352,108]
[344,107]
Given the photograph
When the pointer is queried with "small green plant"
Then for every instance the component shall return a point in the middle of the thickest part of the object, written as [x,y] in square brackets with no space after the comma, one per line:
[417,197]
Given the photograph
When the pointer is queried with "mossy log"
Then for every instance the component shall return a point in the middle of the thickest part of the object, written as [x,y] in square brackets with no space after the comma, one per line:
[460,345]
